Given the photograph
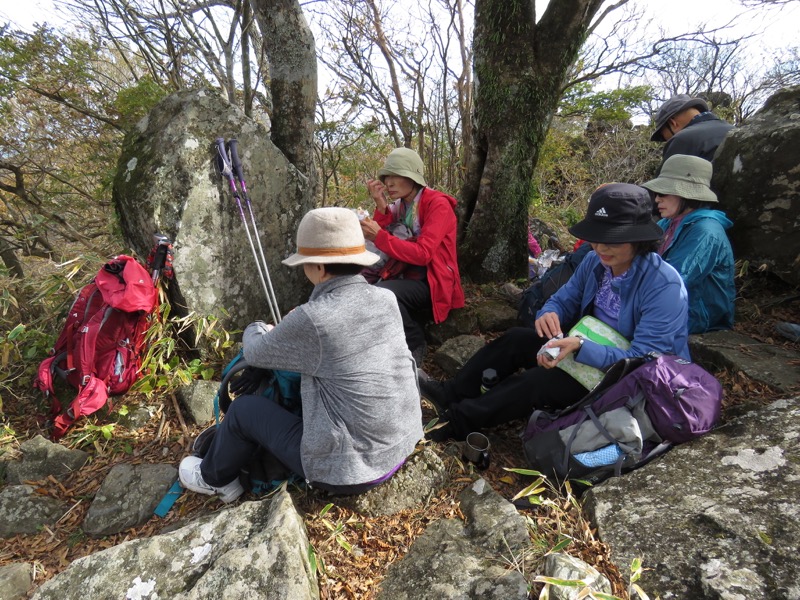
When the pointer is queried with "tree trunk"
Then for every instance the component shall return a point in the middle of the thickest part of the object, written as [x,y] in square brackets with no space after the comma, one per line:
[292,79]
[520,69]
[10,260]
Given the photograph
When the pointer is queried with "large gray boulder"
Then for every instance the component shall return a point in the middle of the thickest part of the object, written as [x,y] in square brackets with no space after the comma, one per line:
[254,550]
[167,182]
[714,518]
[757,177]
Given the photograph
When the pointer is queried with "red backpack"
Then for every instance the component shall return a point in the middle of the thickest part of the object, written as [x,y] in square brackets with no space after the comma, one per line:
[100,348]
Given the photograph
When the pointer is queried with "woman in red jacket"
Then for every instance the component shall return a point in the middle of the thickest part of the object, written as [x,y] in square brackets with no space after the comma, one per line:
[431,281]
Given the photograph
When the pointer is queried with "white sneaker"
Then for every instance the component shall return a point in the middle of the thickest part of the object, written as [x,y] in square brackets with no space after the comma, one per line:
[192,479]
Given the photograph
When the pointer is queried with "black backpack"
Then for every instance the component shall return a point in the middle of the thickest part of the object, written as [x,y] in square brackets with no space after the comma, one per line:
[541,288]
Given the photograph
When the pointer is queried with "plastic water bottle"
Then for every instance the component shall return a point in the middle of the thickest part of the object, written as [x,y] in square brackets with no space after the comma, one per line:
[488,380]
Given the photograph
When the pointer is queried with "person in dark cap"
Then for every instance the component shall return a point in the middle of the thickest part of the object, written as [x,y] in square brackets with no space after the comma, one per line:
[623,282]
[689,127]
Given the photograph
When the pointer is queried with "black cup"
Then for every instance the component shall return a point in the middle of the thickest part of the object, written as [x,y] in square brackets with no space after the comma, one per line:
[476,450]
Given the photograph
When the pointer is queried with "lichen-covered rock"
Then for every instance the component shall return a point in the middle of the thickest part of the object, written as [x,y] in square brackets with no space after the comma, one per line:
[422,475]
[496,315]
[40,458]
[492,521]
[455,352]
[198,398]
[450,560]
[15,580]
[460,321]
[714,517]
[757,178]
[127,497]
[772,364]
[167,181]
[254,550]
[22,510]
[564,566]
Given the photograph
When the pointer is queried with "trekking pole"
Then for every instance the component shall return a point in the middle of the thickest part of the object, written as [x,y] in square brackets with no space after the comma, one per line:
[224,165]
[233,146]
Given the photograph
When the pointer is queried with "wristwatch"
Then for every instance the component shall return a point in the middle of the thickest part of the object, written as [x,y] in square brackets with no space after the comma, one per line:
[580,344]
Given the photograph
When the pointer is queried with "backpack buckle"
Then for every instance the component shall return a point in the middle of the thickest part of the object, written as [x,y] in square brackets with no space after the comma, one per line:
[85,380]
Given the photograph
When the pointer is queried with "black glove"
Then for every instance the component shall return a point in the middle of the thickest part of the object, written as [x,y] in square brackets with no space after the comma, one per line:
[248,381]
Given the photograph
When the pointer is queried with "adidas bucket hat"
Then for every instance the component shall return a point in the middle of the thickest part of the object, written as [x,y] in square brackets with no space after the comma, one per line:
[618,213]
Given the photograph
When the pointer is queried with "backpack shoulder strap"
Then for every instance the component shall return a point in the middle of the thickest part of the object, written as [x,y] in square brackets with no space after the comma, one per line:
[91,331]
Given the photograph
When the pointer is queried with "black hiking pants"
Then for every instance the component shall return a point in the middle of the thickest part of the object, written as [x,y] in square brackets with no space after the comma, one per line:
[252,422]
[413,296]
[517,394]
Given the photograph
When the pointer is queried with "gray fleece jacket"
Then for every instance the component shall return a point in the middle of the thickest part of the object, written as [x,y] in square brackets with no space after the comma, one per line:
[361,403]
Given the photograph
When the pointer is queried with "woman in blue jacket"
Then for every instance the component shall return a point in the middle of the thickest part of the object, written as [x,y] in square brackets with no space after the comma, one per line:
[623,282]
[695,242]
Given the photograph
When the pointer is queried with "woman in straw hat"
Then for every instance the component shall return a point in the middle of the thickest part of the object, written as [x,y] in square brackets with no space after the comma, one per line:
[695,242]
[432,281]
[361,417]
[623,282]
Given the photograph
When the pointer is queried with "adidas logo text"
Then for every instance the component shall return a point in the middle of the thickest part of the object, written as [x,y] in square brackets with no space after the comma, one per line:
[601,212]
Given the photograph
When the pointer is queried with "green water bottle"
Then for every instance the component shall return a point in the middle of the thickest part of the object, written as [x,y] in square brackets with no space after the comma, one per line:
[488,380]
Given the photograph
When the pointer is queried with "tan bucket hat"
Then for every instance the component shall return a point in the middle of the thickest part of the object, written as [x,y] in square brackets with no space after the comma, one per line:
[331,235]
[686,176]
[405,163]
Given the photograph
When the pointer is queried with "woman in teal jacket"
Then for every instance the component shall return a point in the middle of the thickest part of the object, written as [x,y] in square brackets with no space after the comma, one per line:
[695,242]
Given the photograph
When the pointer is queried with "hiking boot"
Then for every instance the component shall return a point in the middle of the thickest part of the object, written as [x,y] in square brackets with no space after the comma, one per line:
[437,393]
[512,293]
[192,479]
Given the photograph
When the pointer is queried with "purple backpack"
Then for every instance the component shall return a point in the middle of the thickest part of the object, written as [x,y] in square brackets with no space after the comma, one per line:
[619,427]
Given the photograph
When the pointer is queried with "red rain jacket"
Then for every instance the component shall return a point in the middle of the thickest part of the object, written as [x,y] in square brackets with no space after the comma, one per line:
[434,248]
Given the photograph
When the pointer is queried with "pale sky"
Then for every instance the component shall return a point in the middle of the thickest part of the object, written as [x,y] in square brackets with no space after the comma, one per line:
[780,26]
[775,27]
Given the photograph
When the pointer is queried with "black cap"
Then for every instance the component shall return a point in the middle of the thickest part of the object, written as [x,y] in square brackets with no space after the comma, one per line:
[618,213]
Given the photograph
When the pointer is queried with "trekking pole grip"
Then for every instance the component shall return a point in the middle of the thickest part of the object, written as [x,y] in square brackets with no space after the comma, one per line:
[222,156]
[160,254]
[233,146]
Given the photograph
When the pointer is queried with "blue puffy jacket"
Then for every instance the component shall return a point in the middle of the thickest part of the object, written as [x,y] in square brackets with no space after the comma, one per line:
[702,254]
[653,312]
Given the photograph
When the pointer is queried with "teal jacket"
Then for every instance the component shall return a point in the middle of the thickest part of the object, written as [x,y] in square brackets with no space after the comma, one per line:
[701,253]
